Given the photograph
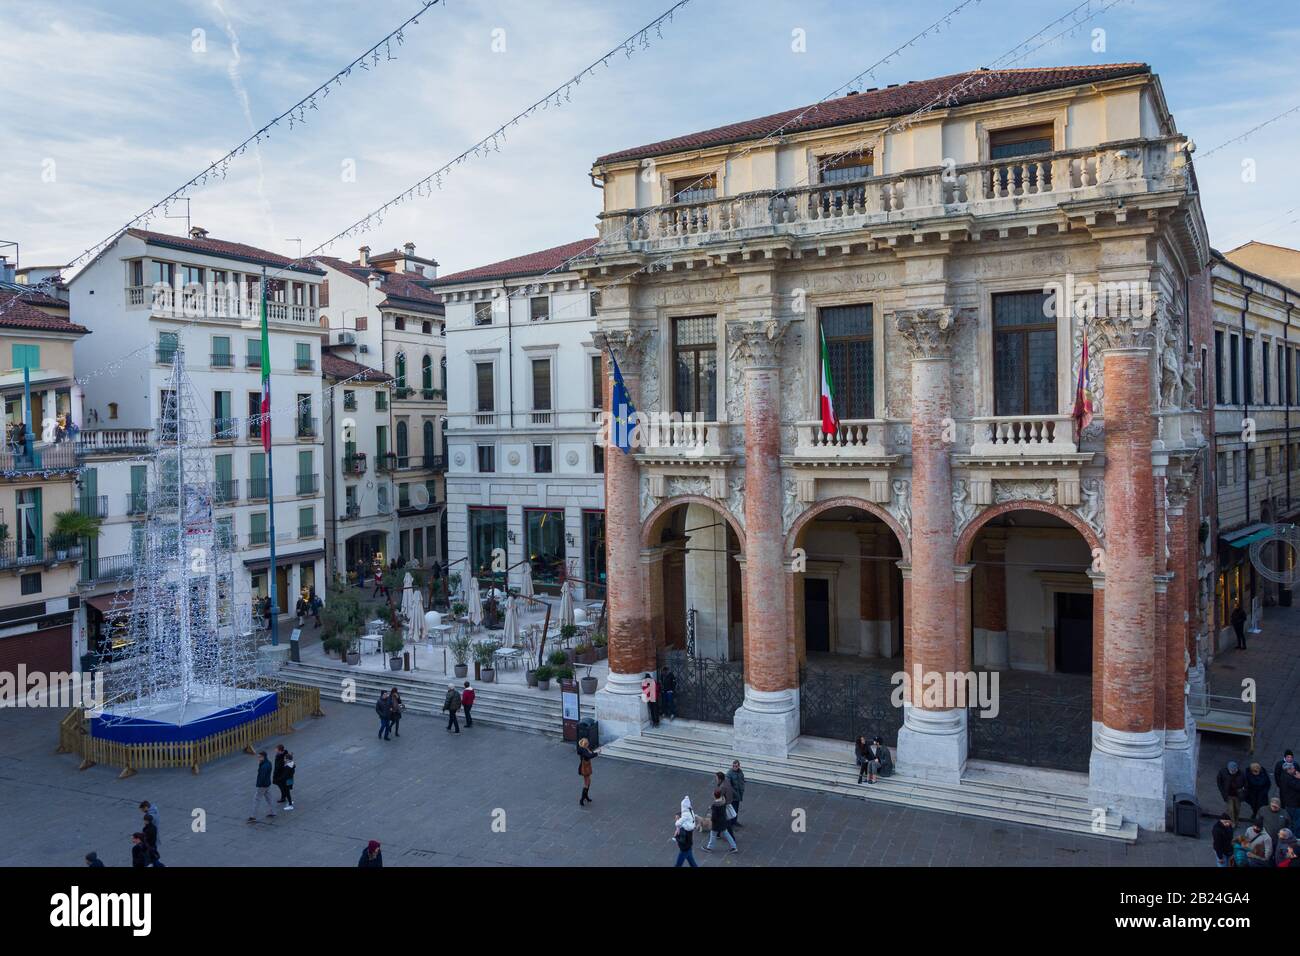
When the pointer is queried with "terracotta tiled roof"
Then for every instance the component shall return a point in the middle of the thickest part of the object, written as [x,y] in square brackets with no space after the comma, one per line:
[408,291]
[221,247]
[879,104]
[32,295]
[531,264]
[336,366]
[17,313]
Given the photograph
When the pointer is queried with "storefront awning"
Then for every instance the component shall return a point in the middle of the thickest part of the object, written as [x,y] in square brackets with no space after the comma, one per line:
[284,559]
[104,603]
[1242,537]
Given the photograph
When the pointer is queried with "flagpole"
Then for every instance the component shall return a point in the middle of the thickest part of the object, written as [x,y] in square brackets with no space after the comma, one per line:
[270,462]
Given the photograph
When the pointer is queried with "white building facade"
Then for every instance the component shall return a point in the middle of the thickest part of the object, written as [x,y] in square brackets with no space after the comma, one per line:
[525,463]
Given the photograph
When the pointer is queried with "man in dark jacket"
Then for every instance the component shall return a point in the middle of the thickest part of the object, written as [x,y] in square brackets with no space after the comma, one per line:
[1221,838]
[1281,767]
[278,775]
[736,777]
[372,858]
[139,851]
[93,860]
[452,706]
[384,708]
[1289,788]
[668,688]
[1238,620]
[1232,785]
[265,770]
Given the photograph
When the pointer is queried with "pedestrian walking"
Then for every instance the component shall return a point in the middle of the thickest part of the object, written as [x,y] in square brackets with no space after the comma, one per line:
[150,832]
[314,604]
[1232,785]
[384,708]
[1281,767]
[1274,819]
[586,754]
[93,861]
[371,857]
[380,590]
[1283,846]
[265,769]
[300,609]
[650,694]
[1238,619]
[467,702]
[289,767]
[720,782]
[396,707]
[1221,839]
[147,807]
[452,706]
[736,777]
[1289,790]
[719,821]
[1257,786]
[139,851]
[277,775]
[1259,847]
[684,834]
[668,690]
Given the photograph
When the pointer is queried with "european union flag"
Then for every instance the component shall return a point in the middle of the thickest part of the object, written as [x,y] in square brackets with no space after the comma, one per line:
[624,410]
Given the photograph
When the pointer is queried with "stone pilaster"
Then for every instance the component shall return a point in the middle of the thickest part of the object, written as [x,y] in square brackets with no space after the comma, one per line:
[768,721]
[1181,744]
[868,595]
[932,741]
[1126,770]
[619,707]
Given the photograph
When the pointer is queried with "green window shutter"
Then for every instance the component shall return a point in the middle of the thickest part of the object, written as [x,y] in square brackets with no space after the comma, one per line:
[257,522]
[223,465]
[257,464]
[306,517]
[302,351]
[26,356]
[139,479]
[304,462]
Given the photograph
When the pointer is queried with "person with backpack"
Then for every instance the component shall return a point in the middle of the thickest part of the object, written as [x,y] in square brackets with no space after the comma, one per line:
[384,708]
[586,754]
[684,834]
[467,702]
[452,706]
[396,707]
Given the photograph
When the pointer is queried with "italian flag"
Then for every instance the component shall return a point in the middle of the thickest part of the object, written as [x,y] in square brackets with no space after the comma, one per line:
[830,421]
[266,377]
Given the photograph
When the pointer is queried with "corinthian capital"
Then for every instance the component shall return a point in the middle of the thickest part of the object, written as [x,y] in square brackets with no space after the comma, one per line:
[758,343]
[1121,331]
[628,345]
[927,333]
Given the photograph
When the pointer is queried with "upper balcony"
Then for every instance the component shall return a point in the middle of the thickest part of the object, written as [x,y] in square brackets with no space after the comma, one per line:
[1021,185]
[197,303]
[114,441]
[45,457]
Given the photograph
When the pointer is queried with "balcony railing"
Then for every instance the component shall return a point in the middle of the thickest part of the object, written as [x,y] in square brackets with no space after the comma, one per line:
[252,361]
[93,506]
[51,456]
[17,554]
[254,429]
[682,437]
[137,502]
[258,538]
[402,392]
[107,568]
[225,429]
[110,441]
[223,360]
[352,511]
[304,364]
[306,428]
[257,489]
[1023,436]
[435,462]
[308,484]
[998,186]
[354,464]
[386,463]
[201,303]
[226,492]
[349,403]
[541,417]
[306,531]
[432,394]
[854,439]
[485,419]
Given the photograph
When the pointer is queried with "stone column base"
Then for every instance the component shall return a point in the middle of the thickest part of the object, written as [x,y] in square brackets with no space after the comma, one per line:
[1182,753]
[767,723]
[1127,774]
[1196,689]
[619,708]
[932,744]
[997,649]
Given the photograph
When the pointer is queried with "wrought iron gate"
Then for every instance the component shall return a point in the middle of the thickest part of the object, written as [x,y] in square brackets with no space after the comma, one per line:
[1035,728]
[846,706]
[706,689]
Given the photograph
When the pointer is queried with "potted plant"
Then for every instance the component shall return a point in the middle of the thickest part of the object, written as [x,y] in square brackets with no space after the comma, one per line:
[557,658]
[70,527]
[393,646]
[587,683]
[484,654]
[584,654]
[530,675]
[459,609]
[544,675]
[601,643]
[460,647]
[567,631]
[341,619]
[563,673]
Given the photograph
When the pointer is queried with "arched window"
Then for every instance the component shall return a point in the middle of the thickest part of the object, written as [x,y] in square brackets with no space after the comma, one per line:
[427,371]
[429,449]
[401,370]
[403,449]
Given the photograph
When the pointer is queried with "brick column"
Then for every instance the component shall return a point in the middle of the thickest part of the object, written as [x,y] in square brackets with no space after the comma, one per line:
[1126,771]
[868,595]
[619,707]
[932,741]
[768,721]
[1181,745]
[991,600]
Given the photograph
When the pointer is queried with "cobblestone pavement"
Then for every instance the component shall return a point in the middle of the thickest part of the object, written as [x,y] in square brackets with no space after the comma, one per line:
[431,798]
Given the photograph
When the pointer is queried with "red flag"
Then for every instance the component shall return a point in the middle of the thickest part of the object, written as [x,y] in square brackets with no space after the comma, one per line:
[1082,413]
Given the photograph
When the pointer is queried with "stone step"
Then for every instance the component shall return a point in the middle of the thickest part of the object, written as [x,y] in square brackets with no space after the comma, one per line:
[983,799]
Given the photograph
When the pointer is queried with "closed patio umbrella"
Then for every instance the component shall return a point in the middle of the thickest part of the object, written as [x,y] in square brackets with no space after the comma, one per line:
[511,634]
[475,603]
[415,629]
[566,604]
[526,585]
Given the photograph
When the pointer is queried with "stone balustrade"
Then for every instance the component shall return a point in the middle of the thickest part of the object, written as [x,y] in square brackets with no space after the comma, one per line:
[855,439]
[1026,436]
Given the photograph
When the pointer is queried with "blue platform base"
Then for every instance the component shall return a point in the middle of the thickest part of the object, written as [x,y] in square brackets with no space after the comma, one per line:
[163,720]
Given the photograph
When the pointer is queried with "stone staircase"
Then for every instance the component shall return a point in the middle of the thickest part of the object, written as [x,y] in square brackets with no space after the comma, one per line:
[504,705]
[826,766]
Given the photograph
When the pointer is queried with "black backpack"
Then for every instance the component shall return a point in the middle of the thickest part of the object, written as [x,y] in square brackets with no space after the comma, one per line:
[684,839]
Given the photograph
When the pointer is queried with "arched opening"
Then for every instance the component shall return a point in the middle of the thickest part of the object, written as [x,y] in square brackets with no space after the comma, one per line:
[426,373]
[1031,629]
[359,553]
[847,620]
[400,370]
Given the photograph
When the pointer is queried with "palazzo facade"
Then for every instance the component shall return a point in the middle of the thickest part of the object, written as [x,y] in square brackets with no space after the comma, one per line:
[938,243]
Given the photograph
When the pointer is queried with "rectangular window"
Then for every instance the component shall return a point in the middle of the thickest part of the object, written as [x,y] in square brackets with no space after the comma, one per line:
[257,529]
[1266,358]
[544,539]
[253,353]
[695,188]
[838,169]
[191,275]
[597,382]
[1024,355]
[30,583]
[695,367]
[302,356]
[593,556]
[381,400]
[1234,368]
[163,272]
[483,313]
[598,459]
[1219,377]
[593,299]
[848,333]
[167,342]
[487,533]
[221,354]
[542,459]
[1020,141]
[484,386]
[404,495]
[539,308]
[1221,468]
[487,458]
[306,522]
[541,385]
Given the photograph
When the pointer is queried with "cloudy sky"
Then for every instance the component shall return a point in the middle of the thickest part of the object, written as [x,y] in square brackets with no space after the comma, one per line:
[108,106]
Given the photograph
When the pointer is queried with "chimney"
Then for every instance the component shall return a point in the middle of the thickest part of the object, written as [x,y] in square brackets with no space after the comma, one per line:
[409,249]
[363,256]
[198,232]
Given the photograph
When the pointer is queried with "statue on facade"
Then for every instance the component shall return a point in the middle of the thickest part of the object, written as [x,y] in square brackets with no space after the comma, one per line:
[1171,375]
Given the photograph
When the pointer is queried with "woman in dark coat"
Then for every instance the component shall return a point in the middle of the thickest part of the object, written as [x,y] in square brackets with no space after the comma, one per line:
[586,753]
[718,822]
[1258,783]
[884,760]
[860,747]
[371,857]
[395,707]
